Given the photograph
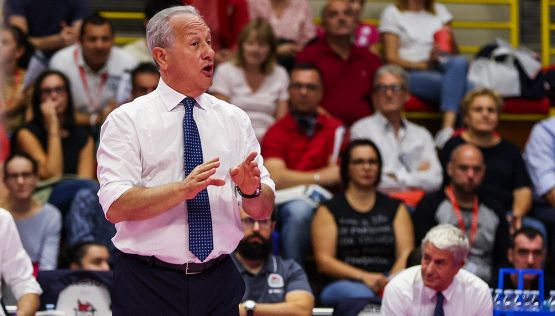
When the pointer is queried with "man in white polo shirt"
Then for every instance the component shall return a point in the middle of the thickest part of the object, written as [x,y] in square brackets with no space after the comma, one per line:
[94,67]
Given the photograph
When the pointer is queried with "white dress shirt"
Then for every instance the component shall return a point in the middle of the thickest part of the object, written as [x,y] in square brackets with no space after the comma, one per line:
[92,91]
[16,268]
[141,145]
[401,154]
[406,295]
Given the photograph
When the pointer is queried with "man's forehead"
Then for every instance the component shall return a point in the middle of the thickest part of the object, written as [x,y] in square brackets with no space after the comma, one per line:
[97,28]
[338,5]
[436,253]
[189,24]
[305,75]
[523,241]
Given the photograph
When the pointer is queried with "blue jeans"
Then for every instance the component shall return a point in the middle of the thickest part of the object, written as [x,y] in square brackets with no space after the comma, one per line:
[447,85]
[294,219]
[344,289]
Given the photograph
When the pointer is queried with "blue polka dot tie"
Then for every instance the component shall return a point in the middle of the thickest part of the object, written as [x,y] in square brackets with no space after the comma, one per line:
[200,220]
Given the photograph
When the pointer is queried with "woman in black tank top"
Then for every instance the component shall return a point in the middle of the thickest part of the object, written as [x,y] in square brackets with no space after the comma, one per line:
[361,236]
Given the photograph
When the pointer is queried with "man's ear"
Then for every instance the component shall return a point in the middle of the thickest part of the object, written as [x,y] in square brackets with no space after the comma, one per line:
[462,264]
[510,255]
[160,56]
[450,169]
[74,266]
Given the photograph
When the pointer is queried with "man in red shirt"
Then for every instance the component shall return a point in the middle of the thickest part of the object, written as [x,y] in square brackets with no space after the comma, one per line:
[347,70]
[301,149]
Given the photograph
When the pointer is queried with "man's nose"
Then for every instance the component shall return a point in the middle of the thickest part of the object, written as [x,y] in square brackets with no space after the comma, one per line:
[256,226]
[530,258]
[209,52]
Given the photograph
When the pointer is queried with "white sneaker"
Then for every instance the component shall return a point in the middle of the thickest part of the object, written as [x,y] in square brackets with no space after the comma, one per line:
[442,136]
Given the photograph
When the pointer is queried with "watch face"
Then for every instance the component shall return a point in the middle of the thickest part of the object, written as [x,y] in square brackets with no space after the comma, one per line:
[249,304]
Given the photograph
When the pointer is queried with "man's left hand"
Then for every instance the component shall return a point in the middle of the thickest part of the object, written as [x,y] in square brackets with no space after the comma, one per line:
[247,175]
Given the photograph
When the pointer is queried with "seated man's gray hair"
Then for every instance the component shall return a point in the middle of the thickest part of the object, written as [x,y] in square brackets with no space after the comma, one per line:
[448,237]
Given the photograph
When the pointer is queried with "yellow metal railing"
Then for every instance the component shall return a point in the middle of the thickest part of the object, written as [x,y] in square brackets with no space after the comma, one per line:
[512,24]
[547,26]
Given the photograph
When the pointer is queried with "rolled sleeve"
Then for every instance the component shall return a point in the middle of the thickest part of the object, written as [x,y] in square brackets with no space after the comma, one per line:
[118,156]
[16,268]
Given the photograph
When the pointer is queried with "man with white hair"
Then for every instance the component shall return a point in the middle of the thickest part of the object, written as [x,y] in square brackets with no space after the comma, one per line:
[438,286]
[174,165]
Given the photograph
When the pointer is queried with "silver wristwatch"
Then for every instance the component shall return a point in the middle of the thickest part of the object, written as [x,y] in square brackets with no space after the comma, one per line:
[249,307]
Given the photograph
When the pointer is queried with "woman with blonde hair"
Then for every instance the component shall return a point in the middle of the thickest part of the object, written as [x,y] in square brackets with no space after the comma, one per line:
[253,81]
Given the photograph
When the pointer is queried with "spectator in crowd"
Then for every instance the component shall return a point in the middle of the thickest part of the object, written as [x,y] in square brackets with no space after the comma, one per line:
[253,81]
[540,161]
[13,63]
[411,166]
[347,70]
[506,179]
[90,256]
[144,79]
[361,236]
[274,285]
[16,269]
[54,141]
[299,150]
[50,25]
[226,19]
[139,48]
[94,67]
[439,286]
[527,251]
[366,34]
[435,75]
[476,215]
[52,137]
[292,23]
[39,224]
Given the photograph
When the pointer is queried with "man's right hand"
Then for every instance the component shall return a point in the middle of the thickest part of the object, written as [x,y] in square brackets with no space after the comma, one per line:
[201,177]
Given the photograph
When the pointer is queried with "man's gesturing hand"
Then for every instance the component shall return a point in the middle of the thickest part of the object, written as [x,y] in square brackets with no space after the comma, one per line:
[201,177]
[247,175]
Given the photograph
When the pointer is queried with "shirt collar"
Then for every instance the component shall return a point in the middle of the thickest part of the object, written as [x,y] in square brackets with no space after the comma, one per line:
[172,98]
[385,123]
[447,293]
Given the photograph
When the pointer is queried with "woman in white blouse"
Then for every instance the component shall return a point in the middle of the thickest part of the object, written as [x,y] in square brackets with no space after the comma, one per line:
[253,81]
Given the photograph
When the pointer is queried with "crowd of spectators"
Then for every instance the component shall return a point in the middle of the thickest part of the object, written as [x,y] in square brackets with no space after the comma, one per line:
[358,185]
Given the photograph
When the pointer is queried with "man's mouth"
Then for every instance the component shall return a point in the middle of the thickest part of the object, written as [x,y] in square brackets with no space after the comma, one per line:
[208,68]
